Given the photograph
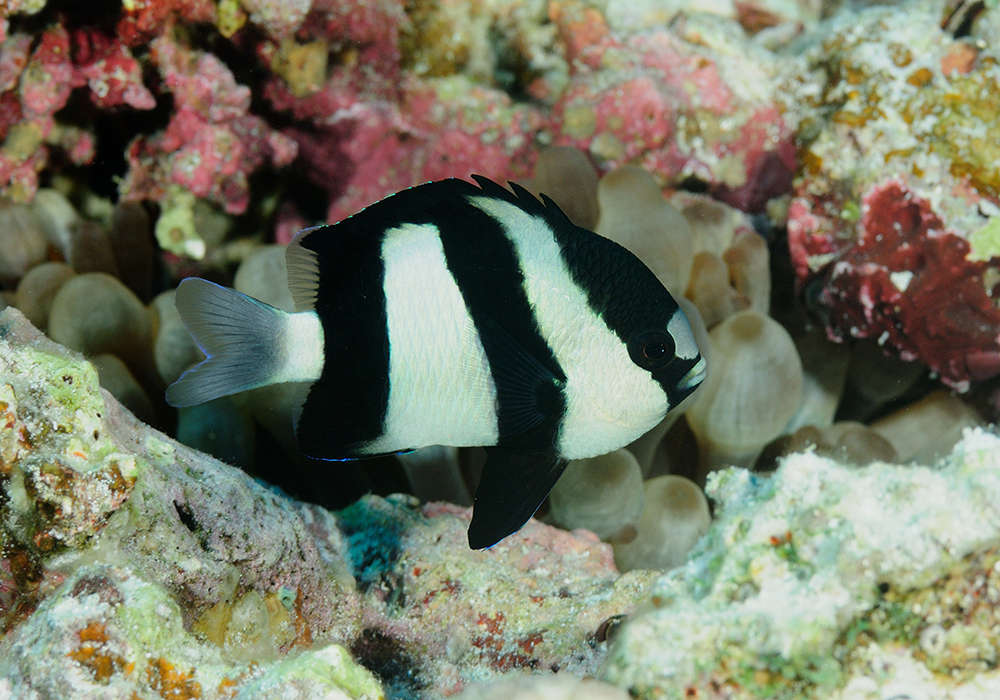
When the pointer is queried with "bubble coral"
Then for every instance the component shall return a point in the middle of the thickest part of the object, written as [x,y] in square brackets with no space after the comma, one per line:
[38,288]
[21,240]
[634,213]
[875,379]
[435,474]
[753,388]
[848,442]
[925,431]
[710,291]
[730,270]
[601,494]
[115,376]
[674,516]
[95,313]
[568,178]
[824,367]
[173,348]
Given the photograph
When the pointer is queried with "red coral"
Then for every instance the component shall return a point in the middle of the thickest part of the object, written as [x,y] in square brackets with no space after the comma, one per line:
[142,20]
[769,169]
[110,71]
[10,112]
[380,138]
[582,30]
[371,27]
[34,88]
[493,643]
[909,283]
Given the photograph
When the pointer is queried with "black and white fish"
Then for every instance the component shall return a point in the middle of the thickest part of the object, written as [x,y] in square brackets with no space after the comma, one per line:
[451,314]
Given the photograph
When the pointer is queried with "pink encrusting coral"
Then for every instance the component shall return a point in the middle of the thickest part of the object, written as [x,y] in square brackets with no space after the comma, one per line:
[382,95]
[112,73]
[659,100]
[377,149]
[143,20]
[36,80]
[651,97]
[212,142]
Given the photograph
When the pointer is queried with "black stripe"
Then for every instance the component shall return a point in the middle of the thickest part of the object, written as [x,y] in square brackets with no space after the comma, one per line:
[625,293]
[619,287]
[484,264]
[346,406]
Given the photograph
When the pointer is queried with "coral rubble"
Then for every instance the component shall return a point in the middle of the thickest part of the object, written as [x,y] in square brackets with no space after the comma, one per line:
[830,581]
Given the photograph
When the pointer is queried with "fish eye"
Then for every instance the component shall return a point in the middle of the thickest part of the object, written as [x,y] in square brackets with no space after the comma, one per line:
[651,349]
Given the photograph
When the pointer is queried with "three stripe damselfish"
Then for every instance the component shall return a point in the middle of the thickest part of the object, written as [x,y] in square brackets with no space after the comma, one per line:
[451,314]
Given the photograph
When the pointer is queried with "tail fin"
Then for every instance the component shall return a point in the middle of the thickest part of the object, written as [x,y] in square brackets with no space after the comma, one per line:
[243,340]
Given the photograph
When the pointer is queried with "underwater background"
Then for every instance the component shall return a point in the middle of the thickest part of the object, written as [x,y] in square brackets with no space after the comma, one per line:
[820,180]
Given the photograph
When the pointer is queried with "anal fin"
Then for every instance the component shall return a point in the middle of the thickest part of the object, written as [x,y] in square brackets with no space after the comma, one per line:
[513,485]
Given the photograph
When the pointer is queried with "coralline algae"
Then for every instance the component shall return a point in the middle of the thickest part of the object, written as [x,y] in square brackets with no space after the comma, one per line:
[898,191]
[831,581]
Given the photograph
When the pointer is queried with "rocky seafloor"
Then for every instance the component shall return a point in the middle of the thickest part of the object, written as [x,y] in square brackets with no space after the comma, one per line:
[136,565]
[817,182]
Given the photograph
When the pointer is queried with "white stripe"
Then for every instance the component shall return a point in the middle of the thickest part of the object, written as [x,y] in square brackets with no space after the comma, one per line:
[609,400]
[302,348]
[441,391]
[679,329]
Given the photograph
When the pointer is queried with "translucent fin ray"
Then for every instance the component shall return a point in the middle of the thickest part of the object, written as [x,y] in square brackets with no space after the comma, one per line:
[303,271]
[239,335]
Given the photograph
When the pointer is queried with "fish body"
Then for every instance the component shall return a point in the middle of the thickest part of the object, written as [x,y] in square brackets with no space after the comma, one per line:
[452,314]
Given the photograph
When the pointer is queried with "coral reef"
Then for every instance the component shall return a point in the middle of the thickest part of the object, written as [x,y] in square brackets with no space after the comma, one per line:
[374,97]
[897,235]
[210,145]
[809,585]
[683,104]
[151,140]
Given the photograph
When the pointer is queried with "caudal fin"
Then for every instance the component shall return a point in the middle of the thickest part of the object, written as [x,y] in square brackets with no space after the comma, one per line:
[243,340]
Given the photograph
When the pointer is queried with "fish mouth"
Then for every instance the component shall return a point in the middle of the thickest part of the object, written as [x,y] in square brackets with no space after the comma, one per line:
[694,376]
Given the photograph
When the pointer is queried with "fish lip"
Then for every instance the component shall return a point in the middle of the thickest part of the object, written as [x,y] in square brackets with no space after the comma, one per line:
[694,376]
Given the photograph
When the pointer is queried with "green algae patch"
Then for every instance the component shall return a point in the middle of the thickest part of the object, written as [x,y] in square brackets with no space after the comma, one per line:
[985,243]
[70,383]
[175,227]
[952,626]
[325,671]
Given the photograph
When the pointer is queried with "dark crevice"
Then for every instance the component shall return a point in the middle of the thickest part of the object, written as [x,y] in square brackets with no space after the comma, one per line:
[388,659]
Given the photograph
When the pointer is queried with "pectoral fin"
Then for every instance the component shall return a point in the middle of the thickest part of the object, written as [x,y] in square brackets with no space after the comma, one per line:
[514,484]
[530,402]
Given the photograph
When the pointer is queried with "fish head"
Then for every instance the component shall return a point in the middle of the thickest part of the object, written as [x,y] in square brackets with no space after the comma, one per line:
[670,353]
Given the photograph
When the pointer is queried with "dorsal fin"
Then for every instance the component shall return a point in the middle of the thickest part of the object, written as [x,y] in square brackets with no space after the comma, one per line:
[491,188]
[521,196]
[303,271]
